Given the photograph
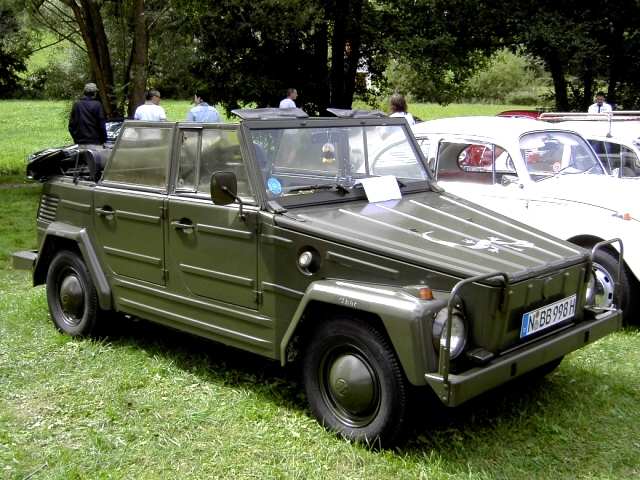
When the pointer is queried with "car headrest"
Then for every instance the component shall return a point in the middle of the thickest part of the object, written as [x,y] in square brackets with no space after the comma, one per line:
[95,161]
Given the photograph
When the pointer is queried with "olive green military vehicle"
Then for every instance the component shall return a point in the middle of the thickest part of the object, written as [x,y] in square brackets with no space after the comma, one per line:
[315,240]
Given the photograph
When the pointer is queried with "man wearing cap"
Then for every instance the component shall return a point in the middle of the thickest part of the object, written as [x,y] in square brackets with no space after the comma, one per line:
[87,120]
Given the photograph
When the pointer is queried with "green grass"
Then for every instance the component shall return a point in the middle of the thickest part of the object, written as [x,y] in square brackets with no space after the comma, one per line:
[147,402]
[29,126]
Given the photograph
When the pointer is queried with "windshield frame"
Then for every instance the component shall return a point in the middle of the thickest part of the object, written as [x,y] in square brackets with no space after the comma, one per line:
[326,196]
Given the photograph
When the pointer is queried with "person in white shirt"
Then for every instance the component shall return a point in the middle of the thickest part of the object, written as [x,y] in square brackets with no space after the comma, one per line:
[150,110]
[398,107]
[600,106]
[289,102]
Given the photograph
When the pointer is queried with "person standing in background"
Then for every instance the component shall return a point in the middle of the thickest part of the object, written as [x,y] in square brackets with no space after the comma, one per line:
[87,119]
[150,110]
[398,107]
[202,112]
[600,106]
[289,102]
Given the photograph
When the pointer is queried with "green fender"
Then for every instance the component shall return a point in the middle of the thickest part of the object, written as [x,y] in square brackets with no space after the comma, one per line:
[406,319]
[59,230]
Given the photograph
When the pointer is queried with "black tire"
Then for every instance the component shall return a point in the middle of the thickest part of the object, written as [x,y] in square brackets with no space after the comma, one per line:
[605,265]
[367,399]
[71,295]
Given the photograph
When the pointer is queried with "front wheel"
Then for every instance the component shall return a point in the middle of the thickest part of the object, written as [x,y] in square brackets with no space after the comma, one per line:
[605,267]
[354,383]
[71,295]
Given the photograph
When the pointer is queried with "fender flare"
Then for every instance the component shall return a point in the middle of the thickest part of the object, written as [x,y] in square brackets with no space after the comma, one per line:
[407,320]
[79,236]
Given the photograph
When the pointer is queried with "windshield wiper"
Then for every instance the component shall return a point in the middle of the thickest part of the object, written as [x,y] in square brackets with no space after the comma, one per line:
[325,186]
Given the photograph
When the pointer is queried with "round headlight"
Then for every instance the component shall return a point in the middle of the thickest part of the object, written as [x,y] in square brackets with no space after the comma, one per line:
[458,331]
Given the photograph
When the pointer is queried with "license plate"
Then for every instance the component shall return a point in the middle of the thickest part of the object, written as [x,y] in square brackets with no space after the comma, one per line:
[547,316]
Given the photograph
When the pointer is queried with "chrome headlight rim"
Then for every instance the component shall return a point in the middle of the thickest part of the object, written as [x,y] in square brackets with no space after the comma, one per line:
[590,290]
[459,342]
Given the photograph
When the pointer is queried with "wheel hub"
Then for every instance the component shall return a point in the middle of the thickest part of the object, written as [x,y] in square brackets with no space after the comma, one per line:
[604,287]
[72,298]
[352,384]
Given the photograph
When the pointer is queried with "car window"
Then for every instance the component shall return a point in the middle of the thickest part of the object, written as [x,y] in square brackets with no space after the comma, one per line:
[142,157]
[618,159]
[204,152]
[292,160]
[549,153]
[473,162]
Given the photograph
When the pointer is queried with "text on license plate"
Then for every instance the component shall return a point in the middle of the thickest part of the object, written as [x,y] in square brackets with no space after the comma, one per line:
[545,317]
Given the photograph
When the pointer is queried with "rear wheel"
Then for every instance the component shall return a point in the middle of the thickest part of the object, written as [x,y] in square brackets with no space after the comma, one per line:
[354,383]
[71,295]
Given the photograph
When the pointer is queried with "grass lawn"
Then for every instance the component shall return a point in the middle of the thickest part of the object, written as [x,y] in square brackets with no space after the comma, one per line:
[28,126]
[147,402]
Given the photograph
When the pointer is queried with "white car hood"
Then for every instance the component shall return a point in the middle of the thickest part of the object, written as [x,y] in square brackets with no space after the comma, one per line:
[619,195]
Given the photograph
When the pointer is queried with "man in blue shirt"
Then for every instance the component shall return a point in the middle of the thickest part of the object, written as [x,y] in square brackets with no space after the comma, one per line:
[202,112]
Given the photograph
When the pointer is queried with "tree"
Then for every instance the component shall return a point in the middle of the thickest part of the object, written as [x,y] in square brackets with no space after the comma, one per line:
[13,50]
[99,28]
[251,51]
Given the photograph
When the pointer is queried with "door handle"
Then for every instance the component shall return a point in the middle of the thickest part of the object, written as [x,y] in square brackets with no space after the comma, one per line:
[183,226]
[106,212]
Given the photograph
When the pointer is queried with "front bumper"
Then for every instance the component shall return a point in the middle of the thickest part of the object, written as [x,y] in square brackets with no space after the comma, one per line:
[455,389]
[24,260]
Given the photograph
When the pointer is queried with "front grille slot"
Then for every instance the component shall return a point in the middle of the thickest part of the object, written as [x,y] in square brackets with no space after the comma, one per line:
[48,208]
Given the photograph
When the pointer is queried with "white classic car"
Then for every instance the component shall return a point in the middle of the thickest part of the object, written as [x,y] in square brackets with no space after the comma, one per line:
[546,177]
[614,136]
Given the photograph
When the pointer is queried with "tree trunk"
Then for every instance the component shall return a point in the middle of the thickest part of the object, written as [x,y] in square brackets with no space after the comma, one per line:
[321,52]
[587,81]
[89,19]
[352,54]
[616,63]
[559,82]
[336,79]
[345,51]
[139,55]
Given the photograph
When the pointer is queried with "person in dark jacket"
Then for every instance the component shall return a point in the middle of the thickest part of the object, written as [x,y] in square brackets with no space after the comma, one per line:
[87,120]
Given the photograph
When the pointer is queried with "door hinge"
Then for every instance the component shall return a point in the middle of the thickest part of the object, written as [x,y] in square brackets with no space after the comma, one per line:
[258,296]
[163,212]
[165,275]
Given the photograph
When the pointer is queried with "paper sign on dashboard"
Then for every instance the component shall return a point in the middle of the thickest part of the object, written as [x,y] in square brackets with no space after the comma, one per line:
[381,189]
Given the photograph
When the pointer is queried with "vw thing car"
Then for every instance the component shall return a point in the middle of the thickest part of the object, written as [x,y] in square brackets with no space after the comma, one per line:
[311,240]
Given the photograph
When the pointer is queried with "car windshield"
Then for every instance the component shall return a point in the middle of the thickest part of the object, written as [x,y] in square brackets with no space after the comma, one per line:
[303,161]
[557,153]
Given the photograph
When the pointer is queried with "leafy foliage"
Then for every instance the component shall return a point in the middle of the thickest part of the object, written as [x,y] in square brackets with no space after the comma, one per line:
[13,49]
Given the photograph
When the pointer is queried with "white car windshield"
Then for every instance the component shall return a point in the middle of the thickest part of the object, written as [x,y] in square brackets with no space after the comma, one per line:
[300,161]
[556,153]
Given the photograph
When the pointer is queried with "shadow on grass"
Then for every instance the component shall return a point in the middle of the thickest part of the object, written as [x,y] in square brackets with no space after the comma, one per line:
[524,411]
[210,360]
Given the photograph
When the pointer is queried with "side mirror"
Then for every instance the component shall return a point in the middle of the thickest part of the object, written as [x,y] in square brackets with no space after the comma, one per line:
[224,186]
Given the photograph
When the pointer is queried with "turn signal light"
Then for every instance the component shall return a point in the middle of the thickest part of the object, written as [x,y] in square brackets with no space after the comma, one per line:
[425,293]
[626,216]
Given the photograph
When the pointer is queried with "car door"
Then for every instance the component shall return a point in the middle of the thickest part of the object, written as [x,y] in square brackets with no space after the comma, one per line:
[212,249]
[129,203]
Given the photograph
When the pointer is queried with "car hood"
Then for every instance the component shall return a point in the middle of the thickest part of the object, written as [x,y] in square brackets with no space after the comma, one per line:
[438,231]
[618,195]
